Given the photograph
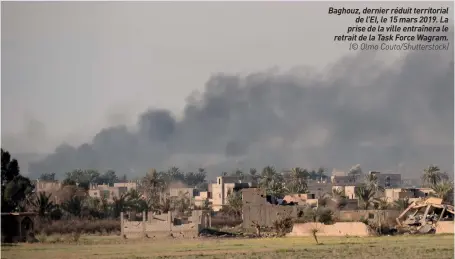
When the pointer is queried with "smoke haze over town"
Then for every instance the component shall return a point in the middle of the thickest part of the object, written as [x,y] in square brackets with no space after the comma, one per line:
[353,108]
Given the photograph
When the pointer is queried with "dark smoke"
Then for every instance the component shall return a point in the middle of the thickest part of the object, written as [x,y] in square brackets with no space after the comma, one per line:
[357,111]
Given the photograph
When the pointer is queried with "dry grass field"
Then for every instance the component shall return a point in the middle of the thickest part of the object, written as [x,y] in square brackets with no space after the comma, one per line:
[402,247]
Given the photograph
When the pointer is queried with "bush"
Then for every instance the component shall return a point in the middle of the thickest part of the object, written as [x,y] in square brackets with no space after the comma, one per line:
[283,225]
[77,226]
[322,215]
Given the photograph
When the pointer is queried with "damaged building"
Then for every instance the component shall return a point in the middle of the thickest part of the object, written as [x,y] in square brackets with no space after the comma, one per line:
[427,216]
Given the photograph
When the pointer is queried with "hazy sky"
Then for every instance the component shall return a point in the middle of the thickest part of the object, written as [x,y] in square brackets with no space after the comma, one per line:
[76,67]
[70,69]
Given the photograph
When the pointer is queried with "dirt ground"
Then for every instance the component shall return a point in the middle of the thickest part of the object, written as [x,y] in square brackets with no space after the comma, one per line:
[403,247]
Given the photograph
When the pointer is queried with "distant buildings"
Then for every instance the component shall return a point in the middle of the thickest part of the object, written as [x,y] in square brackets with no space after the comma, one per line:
[225,185]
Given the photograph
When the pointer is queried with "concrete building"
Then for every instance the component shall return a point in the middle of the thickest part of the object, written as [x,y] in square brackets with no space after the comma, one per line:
[388,180]
[106,191]
[260,209]
[301,199]
[52,187]
[394,194]
[131,185]
[47,186]
[318,190]
[201,198]
[177,191]
[224,186]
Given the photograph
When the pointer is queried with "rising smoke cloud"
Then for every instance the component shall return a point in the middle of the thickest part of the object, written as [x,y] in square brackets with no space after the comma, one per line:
[358,111]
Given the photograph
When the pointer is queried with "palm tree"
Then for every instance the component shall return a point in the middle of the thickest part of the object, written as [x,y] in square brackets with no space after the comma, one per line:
[42,203]
[135,201]
[297,182]
[365,195]
[253,174]
[431,176]
[268,174]
[320,173]
[381,203]
[442,189]
[401,204]
[372,182]
[338,192]
[119,205]
[74,205]
[235,204]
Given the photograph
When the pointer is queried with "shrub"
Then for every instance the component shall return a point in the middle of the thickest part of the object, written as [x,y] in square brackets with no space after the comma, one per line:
[322,215]
[283,225]
[77,226]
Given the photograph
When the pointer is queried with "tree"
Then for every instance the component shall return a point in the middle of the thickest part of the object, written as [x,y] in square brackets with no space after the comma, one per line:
[297,182]
[181,203]
[82,178]
[153,186]
[272,182]
[74,206]
[401,204]
[234,204]
[42,203]
[380,203]
[443,189]
[238,173]
[136,202]
[254,176]
[372,181]
[108,177]
[365,195]
[321,174]
[432,175]
[47,177]
[15,187]
[119,205]
[195,179]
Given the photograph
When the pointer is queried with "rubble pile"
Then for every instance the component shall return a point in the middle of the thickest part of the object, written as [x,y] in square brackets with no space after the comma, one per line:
[423,216]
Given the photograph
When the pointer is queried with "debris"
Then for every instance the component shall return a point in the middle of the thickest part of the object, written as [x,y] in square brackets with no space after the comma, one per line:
[207,232]
[423,216]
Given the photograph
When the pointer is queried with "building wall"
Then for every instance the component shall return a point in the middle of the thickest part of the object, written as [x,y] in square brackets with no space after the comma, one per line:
[256,209]
[129,185]
[389,180]
[175,192]
[164,225]
[393,194]
[49,187]
[217,193]
[317,190]
[224,185]
[357,215]
[200,199]
[107,192]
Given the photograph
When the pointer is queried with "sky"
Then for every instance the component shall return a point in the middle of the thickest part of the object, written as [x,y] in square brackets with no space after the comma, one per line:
[74,70]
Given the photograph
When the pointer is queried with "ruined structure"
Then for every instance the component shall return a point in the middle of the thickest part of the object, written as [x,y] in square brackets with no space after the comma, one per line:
[165,225]
[258,209]
[17,226]
[427,216]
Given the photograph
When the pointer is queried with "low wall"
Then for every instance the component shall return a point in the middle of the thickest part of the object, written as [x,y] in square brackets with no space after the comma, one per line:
[164,229]
[338,229]
[165,225]
[445,227]
[357,215]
